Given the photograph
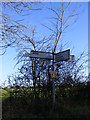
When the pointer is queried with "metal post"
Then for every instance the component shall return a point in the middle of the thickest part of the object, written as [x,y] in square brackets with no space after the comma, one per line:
[53,86]
[53,93]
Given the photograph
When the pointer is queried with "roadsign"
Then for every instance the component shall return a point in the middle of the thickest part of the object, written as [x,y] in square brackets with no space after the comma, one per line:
[42,55]
[72,58]
[53,74]
[62,56]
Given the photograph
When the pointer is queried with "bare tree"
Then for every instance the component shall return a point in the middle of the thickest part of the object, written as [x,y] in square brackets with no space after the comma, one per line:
[14,32]
[63,17]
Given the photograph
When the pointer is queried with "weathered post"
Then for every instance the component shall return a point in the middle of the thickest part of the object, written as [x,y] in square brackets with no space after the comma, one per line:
[53,76]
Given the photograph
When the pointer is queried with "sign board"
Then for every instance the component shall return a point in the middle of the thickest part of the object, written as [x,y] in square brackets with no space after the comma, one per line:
[42,55]
[53,74]
[72,58]
[62,56]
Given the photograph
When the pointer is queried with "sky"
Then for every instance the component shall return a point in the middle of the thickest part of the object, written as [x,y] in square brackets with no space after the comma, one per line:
[76,37]
[89,38]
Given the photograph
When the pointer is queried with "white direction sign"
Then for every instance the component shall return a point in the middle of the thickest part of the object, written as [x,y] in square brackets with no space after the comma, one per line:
[42,55]
[62,56]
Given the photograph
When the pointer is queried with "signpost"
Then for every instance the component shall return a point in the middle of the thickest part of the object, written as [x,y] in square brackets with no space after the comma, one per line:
[56,57]
[62,56]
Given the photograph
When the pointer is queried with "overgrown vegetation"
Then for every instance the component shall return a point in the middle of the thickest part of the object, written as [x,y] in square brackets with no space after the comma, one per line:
[71,102]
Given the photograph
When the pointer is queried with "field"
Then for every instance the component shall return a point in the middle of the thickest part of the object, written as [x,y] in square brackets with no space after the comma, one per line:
[23,103]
